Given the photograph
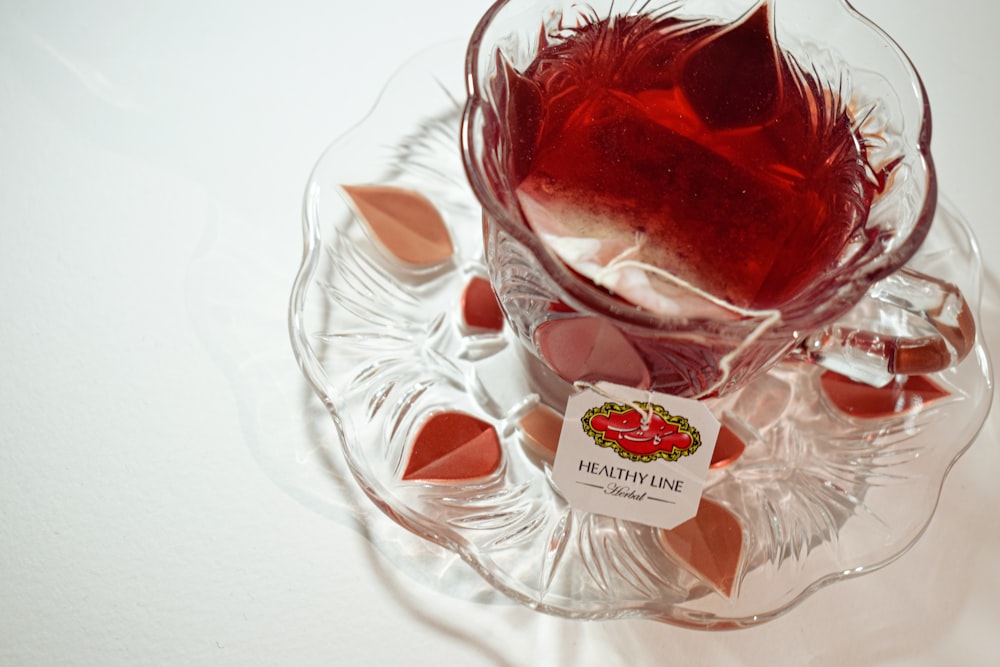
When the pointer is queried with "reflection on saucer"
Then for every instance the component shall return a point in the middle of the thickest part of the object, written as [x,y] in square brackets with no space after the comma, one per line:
[903,395]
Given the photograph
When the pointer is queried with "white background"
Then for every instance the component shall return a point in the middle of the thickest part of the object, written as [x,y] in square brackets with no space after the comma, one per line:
[152,162]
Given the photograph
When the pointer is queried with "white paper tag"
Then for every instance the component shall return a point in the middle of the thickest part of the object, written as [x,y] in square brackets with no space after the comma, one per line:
[634,454]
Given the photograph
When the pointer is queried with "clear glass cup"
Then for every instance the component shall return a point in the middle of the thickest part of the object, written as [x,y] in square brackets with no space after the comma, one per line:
[861,315]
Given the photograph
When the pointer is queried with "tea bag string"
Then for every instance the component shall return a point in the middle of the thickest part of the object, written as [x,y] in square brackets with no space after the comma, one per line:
[772,317]
[620,261]
[768,317]
[645,410]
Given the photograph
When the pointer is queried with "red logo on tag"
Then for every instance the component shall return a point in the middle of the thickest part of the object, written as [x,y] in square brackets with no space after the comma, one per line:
[641,431]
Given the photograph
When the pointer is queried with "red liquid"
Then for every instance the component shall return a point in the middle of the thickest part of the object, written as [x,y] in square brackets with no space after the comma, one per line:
[702,144]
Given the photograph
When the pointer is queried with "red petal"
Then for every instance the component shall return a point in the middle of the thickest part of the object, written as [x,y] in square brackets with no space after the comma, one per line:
[480,308]
[542,427]
[728,448]
[404,222]
[589,348]
[452,446]
[710,544]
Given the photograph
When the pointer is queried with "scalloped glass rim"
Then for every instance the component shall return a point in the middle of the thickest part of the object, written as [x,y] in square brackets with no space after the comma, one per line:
[504,27]
[421,359]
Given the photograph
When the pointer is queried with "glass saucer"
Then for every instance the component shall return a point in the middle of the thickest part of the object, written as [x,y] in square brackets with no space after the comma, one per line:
[821,487]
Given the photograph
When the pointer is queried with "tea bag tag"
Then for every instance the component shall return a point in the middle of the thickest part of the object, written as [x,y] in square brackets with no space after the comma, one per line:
[636,455]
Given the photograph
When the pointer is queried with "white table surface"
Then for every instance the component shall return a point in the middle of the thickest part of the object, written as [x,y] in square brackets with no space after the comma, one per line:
[153,507]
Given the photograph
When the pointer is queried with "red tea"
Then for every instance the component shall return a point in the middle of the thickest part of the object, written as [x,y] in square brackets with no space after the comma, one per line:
[698,148]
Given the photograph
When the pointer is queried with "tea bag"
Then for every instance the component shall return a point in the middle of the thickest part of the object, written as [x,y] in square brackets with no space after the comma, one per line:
[596,242]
